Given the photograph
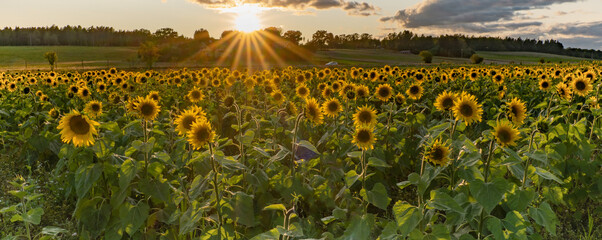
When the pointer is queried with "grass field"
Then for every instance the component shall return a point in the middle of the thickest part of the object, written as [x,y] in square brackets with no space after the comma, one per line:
[78,57]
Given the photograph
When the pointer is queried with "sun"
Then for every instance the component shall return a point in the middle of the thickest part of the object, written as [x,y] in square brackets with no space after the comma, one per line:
[247,17]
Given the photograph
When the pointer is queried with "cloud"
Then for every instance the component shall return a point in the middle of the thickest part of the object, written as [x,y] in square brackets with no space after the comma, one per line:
[352,7]
[584,30]
[452,12]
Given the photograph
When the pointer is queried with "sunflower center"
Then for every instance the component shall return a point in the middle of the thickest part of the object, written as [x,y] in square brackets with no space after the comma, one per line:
[363,136]
[333,107]
[447,103]
[383,92]
[202,134]
[187,122]
[79,125]
[580,85]
[466,110]
[504,135]
[302,91]
[195,94]
[147,109]
[95,107]
[414,90]
[365,117]
[544,84]
[437,154]
[514,110]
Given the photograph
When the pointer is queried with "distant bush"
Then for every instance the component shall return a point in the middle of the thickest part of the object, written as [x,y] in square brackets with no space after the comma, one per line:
[427,57]
[542,60]
[476,59]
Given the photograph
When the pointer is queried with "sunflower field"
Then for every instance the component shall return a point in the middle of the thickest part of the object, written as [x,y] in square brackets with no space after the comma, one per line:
[443,152]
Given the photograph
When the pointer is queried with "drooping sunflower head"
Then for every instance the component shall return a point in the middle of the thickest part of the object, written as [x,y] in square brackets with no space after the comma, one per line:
[564,91]
[185,120]
[53,113]
[505,134]
[581,86]
[438,154]
[147,108]
[93,108]
[364,138]
[517,111]
[384,92]
[332,107]
[365,117]
[467,108]
[200,134]
[415,91]
[77,128]
[400,99]
[302,91]
[195,95]
[228,101]
[593,102]
[445,101]
[313,112]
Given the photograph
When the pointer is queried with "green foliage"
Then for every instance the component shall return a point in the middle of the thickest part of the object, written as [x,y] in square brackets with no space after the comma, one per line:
[427,57]
[51,57]
[476,59]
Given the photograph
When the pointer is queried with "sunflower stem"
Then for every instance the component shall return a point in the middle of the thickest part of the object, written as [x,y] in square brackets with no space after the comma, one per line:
[240,144]
[217,195]
[491,149]
[528,160]
[144,125]
[294,142]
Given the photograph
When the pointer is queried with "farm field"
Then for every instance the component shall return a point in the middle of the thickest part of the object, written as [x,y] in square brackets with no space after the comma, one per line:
[450,151]
[90,58]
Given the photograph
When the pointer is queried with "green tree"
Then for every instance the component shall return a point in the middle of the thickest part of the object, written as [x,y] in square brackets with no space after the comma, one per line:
[427,56]
[52,57]
[476,59]
[149,53]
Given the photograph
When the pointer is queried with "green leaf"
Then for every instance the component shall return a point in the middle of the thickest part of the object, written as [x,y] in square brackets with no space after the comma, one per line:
[8,209]
[438,232]
[18,194]
[248,137]
[359,228]
[377,162]
[495,227]
[442,201]
[132,217]
[377,196]
[547,175]
[190,218]
[127,172]
[157,189]
[407,217]
[16,218]
[544,216]
[278,207]
[389,232]
[308,145]
[521,199]
[33,216]
[515,223]
[85,177]
[244,209]
[273,234]
[351,177]
[489,194]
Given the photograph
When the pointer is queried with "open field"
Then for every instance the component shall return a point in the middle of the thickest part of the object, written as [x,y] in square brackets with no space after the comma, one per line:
[75,57]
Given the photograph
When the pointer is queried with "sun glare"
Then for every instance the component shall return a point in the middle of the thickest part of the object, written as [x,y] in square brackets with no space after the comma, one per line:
[247,18]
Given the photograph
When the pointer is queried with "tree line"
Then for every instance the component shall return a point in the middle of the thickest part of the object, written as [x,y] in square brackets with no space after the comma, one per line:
[174,46]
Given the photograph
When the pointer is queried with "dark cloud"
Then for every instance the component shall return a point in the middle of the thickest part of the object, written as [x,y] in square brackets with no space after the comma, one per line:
[352,8]
[451,12]
[586,30]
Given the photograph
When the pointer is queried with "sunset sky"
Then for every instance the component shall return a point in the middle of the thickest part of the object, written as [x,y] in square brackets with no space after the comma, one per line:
[574,23]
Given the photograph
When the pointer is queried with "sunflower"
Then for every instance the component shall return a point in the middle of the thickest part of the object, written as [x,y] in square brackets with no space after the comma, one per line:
[228,101]
[384,92]
[83,93]
[362,91]
[593,103]
[505,134]
[154,95]
[400,99]
[278,97]
[564,91]
[327,92]
[415,91]
[332,107]
[93,108]
[185,120]
[53,113]
[200,134]
[147,108]
[195,95]
[517,111]
[467,108]
[581,86]
[77,128]
[498,79]
[445,101]
[365,116]
[544,84]
[313,112]
[438,154]
[302,91]
[364,138]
